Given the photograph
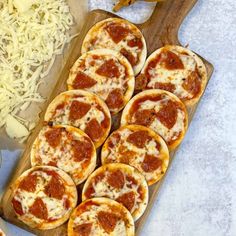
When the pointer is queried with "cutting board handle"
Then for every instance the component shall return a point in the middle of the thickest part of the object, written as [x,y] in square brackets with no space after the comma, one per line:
[166,20]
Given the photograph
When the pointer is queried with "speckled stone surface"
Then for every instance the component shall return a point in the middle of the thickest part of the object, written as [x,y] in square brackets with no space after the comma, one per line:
[198,197]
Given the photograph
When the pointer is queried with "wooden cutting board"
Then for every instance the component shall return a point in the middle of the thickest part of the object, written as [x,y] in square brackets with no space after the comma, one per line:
[162,28]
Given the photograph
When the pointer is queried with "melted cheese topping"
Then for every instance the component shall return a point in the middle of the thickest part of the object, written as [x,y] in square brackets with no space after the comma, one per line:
[167,134]
[104,84]
[176,77]
[63,154]
[61,116]
[138,154]
[104,40]
[55,207]
[91,217]
[104,189]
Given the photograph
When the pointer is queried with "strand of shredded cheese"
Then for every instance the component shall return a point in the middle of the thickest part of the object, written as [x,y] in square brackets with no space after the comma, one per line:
[32,33]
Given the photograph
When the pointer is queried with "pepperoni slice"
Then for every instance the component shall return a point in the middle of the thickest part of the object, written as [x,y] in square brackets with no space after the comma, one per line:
[107,220]
[140,82]
[116,179]
[83,229]
[115,99]
[53,137]
[17,207]
[83,81]
[135,42]
[151,163]
[144,117]
[165,86]
[171,61]
[139,138]
[82,150]
[117,32]
[129,56]
[78,110]
[39,209]
[94,129]
[109,69]
[29,183]
[125,155]
[193,83]
[55,188]
[60,106]
[167,115]
[127,199]
[89,191]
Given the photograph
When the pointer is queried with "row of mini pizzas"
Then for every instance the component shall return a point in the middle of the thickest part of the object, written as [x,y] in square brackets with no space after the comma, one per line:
[101,83]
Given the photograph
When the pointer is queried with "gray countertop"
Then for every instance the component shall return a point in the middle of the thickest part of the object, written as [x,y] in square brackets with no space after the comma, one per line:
[198,197]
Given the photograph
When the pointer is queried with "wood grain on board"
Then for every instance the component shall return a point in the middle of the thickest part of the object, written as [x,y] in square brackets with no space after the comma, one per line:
[162,28]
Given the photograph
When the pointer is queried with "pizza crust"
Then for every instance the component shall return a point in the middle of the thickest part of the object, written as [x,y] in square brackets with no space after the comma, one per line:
[107,205]
[137,154]
[103,90]
[70,189]
[125,169]
[156,92]
[201,68]
[91,97]
[94,32]
[76,174]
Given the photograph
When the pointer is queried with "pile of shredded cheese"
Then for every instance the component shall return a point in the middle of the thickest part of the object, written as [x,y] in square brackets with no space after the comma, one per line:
[32,33]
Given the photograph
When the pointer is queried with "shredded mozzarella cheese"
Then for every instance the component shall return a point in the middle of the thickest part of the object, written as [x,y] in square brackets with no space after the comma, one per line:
[32,33]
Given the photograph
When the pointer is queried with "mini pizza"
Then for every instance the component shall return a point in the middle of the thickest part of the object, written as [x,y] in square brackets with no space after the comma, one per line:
[161,111]
[177,70]
[139,147]
[101,217]
[119,35]
[119,182]
[83,110]
[106,73]
[67,148]
[44,197]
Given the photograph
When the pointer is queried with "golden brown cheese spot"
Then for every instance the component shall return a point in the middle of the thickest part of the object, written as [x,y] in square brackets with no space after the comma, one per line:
[135,42]
[109,69]
[127,199]
[82,150]
[117,32]
[144,117]
[53,137]
[139,138]
[29,183]
[165,86]
[171,61]
[39,209]
[193,83]
[83,81]
[94,130]
[116,179]
[78,110]
[167,115]
[115,99]
[107,220]
[129,56]
[151,163]
[83,229]
[17,207]
[55,188]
